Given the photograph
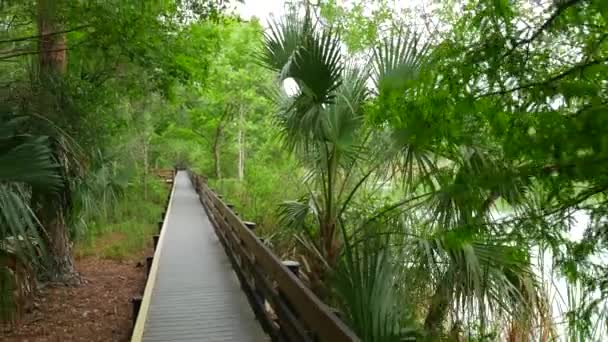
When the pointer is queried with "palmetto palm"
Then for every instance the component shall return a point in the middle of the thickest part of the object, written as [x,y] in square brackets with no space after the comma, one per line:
[322,123]
[27,164]
[446,247]
[450,263]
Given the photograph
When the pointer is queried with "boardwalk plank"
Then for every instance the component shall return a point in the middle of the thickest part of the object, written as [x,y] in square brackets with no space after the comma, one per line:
[197,296]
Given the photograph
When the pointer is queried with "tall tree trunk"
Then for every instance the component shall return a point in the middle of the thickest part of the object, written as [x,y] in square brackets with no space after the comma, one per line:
[52,46]
[52,67]
[216,151]
[241,138]
[146,167]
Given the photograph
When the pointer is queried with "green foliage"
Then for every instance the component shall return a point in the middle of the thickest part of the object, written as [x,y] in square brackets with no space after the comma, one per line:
[125,229]
[467,123]
[87,90]
[370,286]
[415,172]
[27,164]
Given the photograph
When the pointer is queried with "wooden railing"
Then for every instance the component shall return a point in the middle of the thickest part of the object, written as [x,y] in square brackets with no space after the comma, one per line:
[166,174]
[287,309]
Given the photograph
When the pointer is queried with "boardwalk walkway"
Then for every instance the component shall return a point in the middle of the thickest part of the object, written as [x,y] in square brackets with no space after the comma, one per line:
[195,294]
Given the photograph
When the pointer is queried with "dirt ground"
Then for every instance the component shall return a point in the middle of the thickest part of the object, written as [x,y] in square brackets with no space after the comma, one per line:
[98,310]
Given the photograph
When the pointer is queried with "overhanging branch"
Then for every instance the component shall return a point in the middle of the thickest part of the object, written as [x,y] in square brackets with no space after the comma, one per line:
[560,9]
[576,68]
[20,39]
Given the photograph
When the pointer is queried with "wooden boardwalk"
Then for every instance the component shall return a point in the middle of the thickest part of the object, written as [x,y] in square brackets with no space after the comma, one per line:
[193,293]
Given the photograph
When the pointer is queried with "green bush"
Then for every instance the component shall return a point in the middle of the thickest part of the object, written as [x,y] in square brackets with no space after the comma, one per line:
[127,227]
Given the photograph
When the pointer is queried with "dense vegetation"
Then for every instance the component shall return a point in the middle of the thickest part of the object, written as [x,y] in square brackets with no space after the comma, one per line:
[440,172]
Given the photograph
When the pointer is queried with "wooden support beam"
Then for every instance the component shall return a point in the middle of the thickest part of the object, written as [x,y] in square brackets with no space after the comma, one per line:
[135,306]
[155,240]
[149,261]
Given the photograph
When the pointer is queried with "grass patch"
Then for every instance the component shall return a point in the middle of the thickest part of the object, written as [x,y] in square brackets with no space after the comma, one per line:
[129,228]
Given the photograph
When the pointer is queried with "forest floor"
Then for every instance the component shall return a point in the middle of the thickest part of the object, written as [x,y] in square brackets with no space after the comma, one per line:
[97,310]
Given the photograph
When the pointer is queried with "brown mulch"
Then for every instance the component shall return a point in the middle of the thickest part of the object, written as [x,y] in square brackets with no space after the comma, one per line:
[97,310]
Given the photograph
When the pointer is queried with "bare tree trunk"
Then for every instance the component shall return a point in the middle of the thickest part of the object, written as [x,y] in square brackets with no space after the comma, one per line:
[52,66]
[216,151]
[146,166]
[241,143]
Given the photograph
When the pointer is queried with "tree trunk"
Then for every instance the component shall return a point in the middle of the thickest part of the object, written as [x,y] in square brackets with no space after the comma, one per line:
[241,138]
[439,306]
[60,245]
[52,218]
[52,66]
[51,46]
[146,166]
[216,151]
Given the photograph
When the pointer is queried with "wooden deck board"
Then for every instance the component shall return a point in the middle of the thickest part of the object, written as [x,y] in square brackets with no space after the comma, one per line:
[196,296]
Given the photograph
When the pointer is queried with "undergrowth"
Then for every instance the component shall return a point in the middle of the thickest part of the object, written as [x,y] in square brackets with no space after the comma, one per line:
[127,228]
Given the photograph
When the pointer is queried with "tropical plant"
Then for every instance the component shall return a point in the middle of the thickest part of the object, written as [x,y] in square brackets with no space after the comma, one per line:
[320,123]
[95,195]
[466,265]
[27,165]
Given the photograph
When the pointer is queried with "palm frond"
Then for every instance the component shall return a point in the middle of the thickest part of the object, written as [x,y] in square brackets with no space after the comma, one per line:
[367,283]
[281,40]
[18,223]
[469,187]
[345,116]
[317,66]
[296,215]
[95,195]
[398,59]
[312,58]
[488,278]
[30,162]
[411,159]
[27,164]
[26,159]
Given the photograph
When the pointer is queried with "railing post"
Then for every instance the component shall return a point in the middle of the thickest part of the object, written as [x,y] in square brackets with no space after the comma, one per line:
[293,266]
[149,261]
[290,327]
[135,306]
[155,240]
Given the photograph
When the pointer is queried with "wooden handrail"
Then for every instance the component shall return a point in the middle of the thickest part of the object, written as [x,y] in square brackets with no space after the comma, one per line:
[287,309]
[166,174]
